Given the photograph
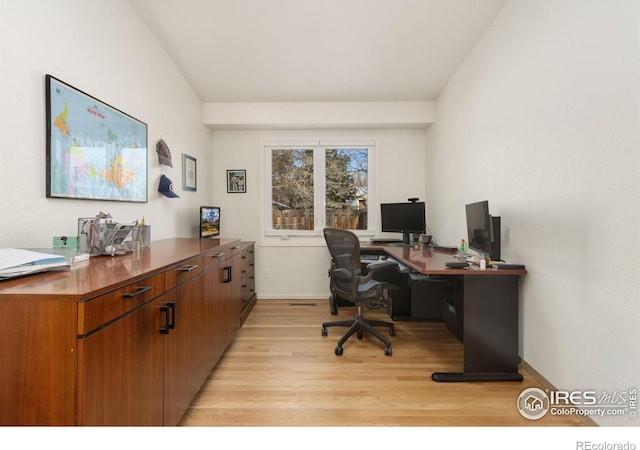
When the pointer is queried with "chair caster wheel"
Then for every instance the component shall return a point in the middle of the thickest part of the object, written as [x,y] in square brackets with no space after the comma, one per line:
[387,351]
[392,331]
[360,335]
[339,350]
[324,331]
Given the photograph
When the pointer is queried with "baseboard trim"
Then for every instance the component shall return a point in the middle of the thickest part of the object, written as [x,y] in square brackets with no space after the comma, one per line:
[546,384]
[294,297]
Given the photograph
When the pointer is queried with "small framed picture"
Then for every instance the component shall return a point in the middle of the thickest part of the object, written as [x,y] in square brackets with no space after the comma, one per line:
[189,173]
[236,181]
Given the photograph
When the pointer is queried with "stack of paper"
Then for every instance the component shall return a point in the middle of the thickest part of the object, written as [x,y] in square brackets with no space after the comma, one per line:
[15,262]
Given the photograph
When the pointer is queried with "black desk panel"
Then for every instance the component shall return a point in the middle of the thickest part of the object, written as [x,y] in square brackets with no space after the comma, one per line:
[490,330]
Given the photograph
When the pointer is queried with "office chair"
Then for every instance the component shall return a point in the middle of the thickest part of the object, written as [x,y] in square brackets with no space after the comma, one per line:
[348,282]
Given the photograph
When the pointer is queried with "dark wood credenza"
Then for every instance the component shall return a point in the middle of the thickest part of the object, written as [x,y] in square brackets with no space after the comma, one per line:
[124,340]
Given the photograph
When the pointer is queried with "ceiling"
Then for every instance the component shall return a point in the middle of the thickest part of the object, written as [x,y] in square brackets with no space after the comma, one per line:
[317,50]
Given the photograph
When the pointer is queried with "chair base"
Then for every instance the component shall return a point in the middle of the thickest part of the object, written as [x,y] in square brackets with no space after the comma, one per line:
[360,325]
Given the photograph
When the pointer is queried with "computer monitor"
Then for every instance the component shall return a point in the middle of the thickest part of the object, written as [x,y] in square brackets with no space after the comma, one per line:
[209,221]
[406,218]
[483,230]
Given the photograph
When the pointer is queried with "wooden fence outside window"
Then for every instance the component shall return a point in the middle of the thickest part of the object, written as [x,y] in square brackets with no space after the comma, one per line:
[302,219]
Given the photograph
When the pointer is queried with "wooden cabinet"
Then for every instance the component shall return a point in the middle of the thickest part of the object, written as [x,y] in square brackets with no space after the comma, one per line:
[120,378]
[185,365]
[125,340]
[231,281]
[248,281]
[222,293]
[38,364]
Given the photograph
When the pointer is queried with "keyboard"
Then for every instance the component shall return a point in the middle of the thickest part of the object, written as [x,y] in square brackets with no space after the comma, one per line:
[385,241]
[401,267]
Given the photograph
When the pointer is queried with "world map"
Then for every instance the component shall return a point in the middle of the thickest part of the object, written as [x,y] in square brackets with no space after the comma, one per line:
[96,152]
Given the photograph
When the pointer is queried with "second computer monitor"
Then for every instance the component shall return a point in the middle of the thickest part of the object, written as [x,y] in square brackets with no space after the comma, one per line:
[483,230]
[406,218]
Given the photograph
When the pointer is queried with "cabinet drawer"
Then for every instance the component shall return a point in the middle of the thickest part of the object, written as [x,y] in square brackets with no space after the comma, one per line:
[233,250]
[247,293]
[96,312]
[247,256]
[215,258]
[182,272]
[248,284]
[222,254]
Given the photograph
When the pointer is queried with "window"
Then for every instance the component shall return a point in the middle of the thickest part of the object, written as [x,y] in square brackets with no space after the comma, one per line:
[314,186]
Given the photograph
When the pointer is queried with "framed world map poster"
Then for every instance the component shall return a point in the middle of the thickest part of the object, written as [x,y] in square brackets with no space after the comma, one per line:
[94,151]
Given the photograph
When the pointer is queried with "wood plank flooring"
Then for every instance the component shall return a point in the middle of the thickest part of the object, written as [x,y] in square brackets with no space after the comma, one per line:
[280,371]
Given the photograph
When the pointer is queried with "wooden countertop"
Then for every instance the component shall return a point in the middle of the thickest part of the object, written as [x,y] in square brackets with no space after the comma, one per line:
[101,273]
[431,261]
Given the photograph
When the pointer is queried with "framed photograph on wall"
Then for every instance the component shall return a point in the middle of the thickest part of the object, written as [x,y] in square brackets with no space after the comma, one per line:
[189,173]
[94,151]
[236,181]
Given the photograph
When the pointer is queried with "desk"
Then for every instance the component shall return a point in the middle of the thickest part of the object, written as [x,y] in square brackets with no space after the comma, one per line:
[490,311]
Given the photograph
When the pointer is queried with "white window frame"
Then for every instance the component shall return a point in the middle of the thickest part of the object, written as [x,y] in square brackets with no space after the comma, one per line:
[313,237]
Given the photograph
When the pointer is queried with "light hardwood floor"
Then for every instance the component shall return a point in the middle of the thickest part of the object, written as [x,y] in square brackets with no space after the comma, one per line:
[280,371]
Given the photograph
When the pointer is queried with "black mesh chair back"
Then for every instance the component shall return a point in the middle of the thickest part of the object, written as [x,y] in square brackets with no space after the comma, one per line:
[344,248]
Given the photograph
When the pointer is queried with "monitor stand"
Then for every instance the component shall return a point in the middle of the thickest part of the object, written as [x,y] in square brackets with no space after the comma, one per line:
[406,240]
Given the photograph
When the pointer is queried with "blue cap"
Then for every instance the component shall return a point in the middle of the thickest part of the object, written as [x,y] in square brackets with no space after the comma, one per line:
[166,187]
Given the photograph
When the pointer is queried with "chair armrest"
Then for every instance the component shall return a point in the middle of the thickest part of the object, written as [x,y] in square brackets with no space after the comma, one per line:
[381,265]
[372,268]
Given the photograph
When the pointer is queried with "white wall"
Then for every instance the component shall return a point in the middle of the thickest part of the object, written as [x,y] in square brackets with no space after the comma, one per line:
[104,49]
[542,119]
[300,271]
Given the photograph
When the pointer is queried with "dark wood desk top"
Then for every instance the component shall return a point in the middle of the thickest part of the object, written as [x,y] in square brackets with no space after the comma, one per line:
[431,261]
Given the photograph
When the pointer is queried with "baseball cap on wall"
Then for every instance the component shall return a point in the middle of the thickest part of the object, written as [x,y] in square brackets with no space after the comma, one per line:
[166,187]
[164,155]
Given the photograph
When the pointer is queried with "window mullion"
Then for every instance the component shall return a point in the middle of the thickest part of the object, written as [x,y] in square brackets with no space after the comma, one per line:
[319,188]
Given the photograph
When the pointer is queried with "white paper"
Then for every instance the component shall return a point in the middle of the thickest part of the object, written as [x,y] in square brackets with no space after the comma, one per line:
[13,257]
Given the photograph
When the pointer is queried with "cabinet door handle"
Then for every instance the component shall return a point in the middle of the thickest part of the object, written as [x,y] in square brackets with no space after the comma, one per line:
[165,310]
[217,255]
[236,247]
[169,311]
[141,290]
[227,274]
[188,268]
[172,324]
